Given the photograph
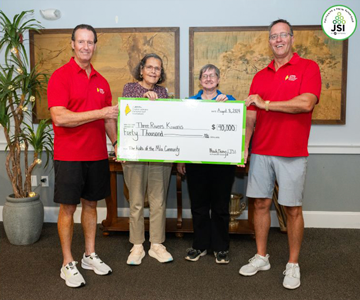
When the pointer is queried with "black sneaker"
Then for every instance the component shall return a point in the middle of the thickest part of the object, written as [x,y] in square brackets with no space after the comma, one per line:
[194,255]
[222,257]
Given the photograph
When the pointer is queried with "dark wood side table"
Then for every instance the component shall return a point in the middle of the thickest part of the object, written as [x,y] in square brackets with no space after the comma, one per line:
[177,225]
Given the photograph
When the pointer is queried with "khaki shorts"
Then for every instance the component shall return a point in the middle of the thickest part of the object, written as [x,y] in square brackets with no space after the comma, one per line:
[289,172]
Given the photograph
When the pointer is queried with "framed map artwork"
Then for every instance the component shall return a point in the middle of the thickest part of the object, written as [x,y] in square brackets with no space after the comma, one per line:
[118,51]
[240,52]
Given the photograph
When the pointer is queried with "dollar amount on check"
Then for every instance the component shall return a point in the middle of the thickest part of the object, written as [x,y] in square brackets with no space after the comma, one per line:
[191,131]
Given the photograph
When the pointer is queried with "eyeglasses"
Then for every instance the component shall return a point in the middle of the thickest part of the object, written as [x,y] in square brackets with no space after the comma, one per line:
[283,35]
[151,68]
[206,76]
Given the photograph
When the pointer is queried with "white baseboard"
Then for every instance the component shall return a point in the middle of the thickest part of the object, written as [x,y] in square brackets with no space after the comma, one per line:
[313,219]
[333,219]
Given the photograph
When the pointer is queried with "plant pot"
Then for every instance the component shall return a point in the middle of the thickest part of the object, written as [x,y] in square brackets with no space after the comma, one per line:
[23,219]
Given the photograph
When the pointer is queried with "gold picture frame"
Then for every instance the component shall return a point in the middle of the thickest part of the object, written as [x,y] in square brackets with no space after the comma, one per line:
[118,51]
[240,52]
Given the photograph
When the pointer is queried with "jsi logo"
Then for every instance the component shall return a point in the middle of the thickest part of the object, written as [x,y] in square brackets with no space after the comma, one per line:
[338,28]
[339,23]
[101,91]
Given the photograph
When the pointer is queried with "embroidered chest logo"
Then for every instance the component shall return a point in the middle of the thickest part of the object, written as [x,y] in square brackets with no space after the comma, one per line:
[291,77]
[100,90]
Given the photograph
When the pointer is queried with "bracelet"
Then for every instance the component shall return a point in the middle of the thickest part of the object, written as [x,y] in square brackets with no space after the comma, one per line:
[114,144]
[267,105]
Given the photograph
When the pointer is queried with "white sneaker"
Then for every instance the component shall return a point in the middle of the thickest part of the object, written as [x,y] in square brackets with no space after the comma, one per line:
[93,262]
[256,263]
[292,276]
[71,275]
[159,252]
[137,253]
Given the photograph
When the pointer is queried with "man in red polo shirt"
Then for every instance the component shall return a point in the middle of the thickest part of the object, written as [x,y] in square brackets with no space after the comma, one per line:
[280,104]
[79,100]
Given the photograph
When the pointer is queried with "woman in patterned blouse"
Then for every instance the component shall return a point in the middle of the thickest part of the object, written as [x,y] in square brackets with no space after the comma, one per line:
[147,178]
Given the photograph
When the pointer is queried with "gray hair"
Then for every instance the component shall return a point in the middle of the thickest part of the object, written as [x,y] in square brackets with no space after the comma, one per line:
[209,67]
[281,21]
[137,70]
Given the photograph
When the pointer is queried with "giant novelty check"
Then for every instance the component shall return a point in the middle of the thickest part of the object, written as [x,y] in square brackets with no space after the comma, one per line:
[191,131]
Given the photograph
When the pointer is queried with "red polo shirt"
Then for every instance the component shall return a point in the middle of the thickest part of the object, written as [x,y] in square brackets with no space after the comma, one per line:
[70,87]
[278,133]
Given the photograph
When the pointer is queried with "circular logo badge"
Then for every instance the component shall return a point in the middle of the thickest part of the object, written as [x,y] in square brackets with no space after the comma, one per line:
[339,22]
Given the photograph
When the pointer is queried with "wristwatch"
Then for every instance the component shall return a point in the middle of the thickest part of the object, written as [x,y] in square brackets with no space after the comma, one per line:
[267,105]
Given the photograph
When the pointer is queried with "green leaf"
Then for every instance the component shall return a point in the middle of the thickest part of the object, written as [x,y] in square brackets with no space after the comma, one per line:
[24,84]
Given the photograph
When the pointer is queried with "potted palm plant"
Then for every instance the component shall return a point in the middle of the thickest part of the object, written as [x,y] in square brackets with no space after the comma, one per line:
[23,211]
